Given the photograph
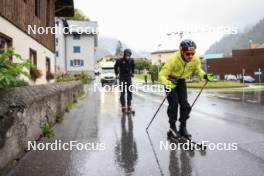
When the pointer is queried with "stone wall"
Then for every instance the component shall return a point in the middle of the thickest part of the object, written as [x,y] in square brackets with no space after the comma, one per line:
[24,110]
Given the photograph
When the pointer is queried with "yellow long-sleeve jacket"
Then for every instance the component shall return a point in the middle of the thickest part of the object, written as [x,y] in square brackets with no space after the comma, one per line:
[176,68]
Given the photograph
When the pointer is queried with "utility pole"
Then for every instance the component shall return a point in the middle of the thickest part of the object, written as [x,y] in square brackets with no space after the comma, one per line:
[259,73]
[159,56]
[243,73]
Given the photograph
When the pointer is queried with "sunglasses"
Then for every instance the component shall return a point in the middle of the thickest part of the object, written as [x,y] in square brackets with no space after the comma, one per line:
[189,53]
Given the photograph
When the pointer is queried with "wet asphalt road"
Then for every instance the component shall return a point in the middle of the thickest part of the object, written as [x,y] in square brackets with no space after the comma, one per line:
[96,119]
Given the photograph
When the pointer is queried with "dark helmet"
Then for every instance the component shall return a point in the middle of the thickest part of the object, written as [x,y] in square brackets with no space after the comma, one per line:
[127,52]
[187,45]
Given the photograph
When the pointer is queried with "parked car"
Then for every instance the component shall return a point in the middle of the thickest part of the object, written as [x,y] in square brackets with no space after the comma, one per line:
[249,79]
[230,77]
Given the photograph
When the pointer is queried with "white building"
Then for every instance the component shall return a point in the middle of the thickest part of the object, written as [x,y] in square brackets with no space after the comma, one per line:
[159,57]
[261,46]
[75,51]
[60,51]
[15,19]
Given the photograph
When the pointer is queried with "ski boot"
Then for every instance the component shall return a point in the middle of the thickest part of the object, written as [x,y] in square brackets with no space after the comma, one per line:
[173,133]
[183,132]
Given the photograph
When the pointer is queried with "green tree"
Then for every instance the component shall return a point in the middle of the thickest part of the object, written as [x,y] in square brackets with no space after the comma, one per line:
[141,64]
[10,71]
[154,71]
[78,15]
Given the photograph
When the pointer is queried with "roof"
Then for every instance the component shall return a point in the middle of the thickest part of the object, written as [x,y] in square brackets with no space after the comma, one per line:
[64,8]
[163,51]
[89,27]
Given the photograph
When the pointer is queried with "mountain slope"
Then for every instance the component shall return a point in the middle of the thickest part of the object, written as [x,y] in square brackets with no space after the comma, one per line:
[239,41]
[107,46]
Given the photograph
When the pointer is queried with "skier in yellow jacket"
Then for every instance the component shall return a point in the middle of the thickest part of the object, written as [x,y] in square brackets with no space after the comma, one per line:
[177,68]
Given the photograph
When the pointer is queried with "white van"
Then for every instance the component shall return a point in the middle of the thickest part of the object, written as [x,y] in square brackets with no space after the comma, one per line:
[107,72]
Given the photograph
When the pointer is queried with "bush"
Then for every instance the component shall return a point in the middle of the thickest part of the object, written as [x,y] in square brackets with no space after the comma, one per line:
[10,72]
[69,107]
[20,83]
[50,76]
[47,130]
[35,73]
[83,77]
[81,93]
[64,78]
[142,64]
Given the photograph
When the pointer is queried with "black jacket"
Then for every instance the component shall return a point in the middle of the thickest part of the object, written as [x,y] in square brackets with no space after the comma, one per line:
[124,68]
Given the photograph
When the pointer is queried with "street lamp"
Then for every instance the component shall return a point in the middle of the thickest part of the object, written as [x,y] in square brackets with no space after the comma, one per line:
[180,33]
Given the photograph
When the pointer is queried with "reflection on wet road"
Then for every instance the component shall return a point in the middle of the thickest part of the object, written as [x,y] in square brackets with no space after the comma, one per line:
[130,151]
[126,147]
[245,97]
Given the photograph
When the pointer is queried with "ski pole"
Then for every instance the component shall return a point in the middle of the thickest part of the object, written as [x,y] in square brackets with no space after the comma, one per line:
[167,96]
[157,110]
[155,154]
[199,93]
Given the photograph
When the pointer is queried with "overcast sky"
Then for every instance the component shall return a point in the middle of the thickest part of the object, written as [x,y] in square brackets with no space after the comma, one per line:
[143,24]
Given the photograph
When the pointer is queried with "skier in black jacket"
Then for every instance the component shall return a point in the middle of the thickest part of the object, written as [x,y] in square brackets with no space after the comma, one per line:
[124,70]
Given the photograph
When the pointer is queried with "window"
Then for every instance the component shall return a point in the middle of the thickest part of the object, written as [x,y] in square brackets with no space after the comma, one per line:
[48,64]
[57,53]
[76,36]
[5,42]
[37,8]
[33,56]
[77,63]
[76,49]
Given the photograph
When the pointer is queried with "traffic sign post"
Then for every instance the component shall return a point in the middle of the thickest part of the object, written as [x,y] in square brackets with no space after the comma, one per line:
[259,73]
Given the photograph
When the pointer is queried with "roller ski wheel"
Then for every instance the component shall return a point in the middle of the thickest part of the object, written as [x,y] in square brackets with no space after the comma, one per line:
[174,136]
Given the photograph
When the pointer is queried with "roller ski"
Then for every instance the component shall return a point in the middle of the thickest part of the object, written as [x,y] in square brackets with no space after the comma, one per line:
[180,137]
[123,109]
[128,111]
